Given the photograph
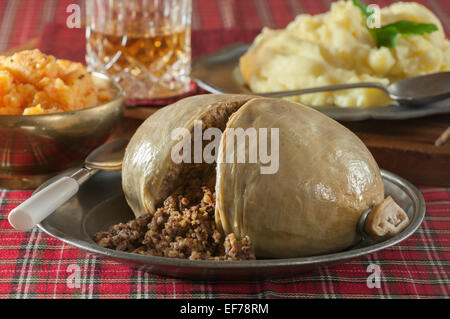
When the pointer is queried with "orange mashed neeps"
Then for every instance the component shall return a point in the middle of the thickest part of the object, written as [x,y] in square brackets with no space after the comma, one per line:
[32,82]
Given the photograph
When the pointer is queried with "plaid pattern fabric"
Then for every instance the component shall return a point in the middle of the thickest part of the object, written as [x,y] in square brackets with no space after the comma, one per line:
[34,265]
[16,158]
[22,20]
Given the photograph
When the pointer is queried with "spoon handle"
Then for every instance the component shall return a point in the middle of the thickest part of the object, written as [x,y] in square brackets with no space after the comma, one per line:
[325,89]
[43,203]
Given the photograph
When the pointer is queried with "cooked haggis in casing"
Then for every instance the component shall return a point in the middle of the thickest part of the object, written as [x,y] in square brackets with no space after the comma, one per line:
[311,205]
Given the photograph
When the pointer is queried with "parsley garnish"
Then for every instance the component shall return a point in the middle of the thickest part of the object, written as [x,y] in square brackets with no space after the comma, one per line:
[387,35]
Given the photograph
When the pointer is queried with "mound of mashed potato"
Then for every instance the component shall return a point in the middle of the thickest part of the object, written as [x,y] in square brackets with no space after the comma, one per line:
[35,83]
[336,47]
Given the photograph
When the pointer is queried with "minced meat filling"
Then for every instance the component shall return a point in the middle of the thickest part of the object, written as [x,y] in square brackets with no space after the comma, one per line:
[180,176]
[177,230]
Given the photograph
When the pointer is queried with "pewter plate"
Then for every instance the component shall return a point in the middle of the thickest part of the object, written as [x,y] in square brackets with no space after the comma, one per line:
[219,73]
[100,204]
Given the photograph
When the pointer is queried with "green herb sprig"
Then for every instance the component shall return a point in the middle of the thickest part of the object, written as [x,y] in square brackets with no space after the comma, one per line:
[387,36]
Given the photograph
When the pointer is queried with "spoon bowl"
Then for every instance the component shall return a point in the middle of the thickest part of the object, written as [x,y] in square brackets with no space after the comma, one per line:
[108,157]
[422,89]
[412,91]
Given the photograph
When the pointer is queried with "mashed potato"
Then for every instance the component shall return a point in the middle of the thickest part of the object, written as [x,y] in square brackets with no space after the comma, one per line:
[34,83]
[336,47]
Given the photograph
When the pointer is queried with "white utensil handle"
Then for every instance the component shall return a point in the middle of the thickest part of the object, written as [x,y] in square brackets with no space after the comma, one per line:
[42,204]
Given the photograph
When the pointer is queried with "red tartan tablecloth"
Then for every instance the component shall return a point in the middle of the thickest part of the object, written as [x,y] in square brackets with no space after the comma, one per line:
[35,265]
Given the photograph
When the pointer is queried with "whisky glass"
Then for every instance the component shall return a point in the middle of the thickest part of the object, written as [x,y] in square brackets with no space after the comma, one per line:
[145,45]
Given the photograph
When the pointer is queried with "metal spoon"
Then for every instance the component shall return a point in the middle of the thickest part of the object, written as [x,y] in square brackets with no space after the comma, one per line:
[45,202]
[417,90]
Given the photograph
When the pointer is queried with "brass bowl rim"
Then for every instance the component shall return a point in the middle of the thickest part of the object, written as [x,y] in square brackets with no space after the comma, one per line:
[119,96]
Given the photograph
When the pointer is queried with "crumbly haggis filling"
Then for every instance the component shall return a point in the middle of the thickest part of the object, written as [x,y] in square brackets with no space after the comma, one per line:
[178,230]
[185,178]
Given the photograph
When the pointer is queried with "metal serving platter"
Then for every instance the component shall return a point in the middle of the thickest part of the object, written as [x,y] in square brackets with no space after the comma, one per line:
[100,203]
[219,73]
